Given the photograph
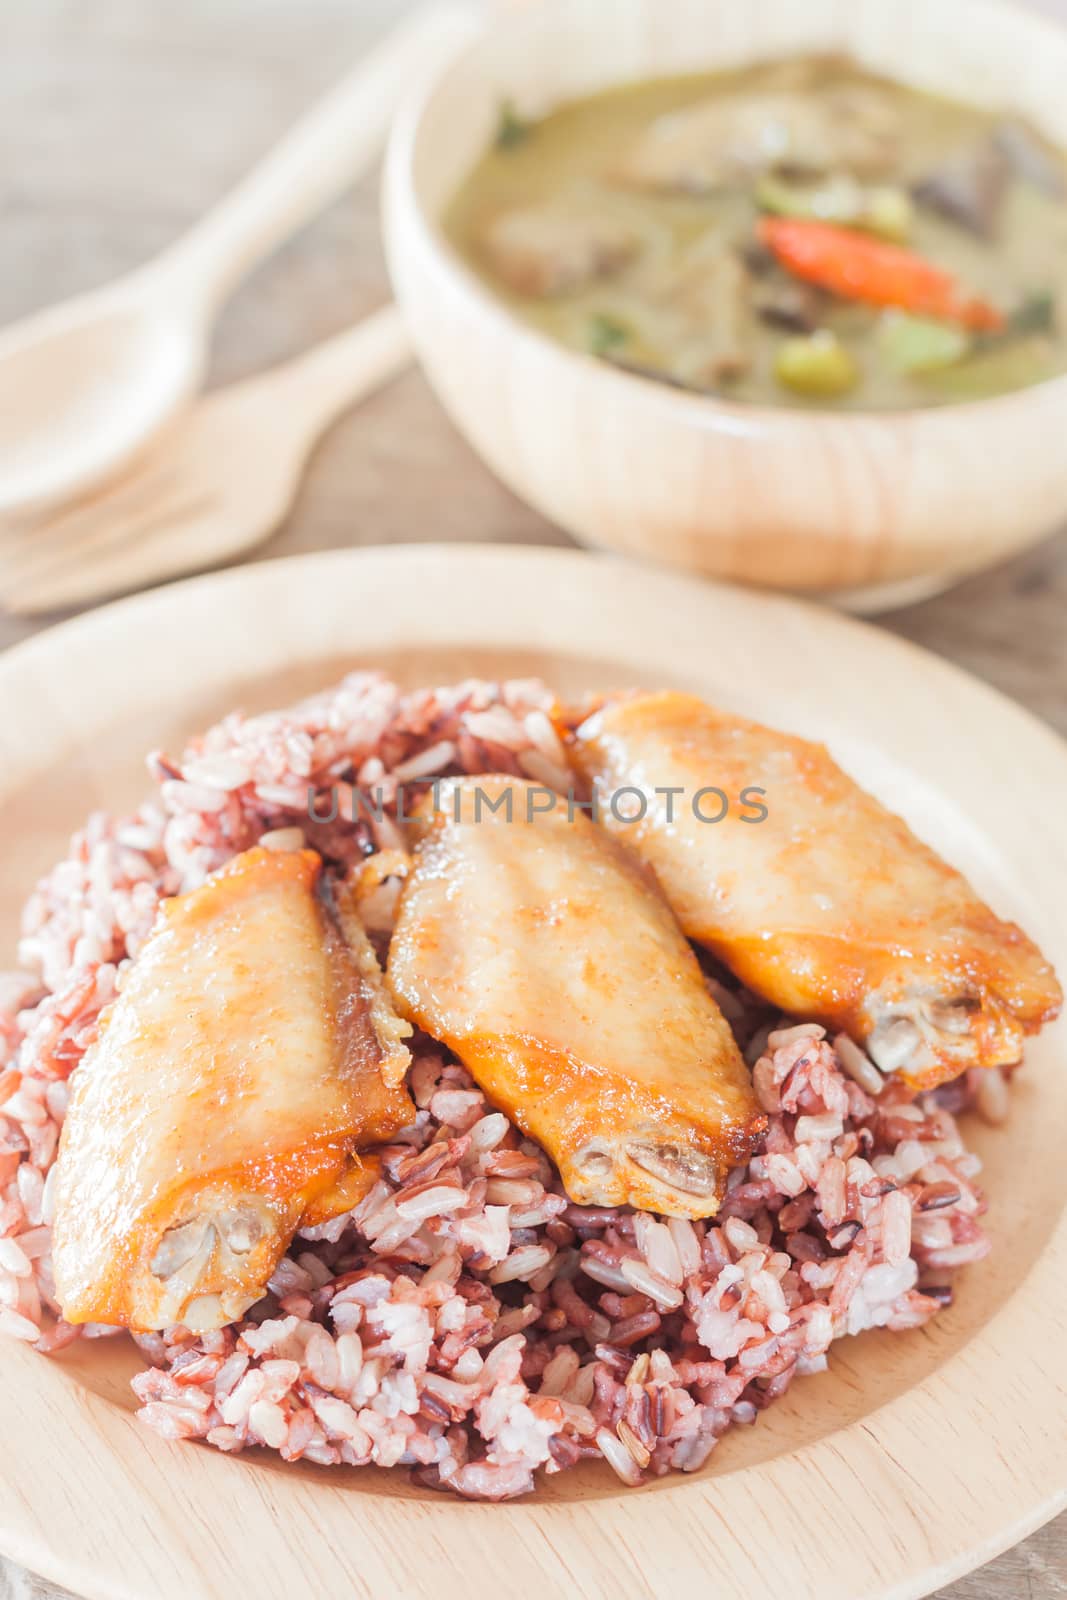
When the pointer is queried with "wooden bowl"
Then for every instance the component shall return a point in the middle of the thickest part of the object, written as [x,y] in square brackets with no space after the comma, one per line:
[898,503]
[915,1457]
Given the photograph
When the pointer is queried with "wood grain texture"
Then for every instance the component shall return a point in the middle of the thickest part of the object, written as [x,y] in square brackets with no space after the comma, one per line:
[120,123]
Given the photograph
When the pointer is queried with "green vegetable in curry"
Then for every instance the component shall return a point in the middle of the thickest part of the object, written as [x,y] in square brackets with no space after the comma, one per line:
[882,209]
[800,231]
[606,334]
[817,365]
[511,129]
[920,344]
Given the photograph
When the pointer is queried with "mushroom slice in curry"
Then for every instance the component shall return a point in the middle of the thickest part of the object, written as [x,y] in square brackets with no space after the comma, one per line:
[828,906]
[251,1053]
[533,946]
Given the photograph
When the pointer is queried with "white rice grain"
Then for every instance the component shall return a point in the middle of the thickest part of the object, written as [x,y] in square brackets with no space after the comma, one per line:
[740,1235]
[617,1456]
[18,1326]
[435,1202]
[13,1259]
[521,1263]
[858,1064]
[656,1244]
[825,1128]
[784,1174]
[896,1227]
[686,1244]
[283,839]
[641,1277]
[802,1030]
[488,1132]
[267,1421]
[426,763]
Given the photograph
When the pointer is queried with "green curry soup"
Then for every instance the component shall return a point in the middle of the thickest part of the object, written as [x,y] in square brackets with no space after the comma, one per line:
[797,233]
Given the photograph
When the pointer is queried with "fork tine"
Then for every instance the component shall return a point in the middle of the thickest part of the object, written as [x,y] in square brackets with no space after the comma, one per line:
[60,537]
[36,562]
[116,501]
[102,572]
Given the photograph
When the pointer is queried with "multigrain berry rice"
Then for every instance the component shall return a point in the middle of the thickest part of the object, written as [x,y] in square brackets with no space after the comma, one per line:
[467,1321]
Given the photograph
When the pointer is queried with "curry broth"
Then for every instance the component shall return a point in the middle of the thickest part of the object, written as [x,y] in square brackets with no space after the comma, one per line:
[646,313]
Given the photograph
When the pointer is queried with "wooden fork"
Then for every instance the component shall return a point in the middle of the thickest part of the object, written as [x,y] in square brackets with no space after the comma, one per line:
[218,483]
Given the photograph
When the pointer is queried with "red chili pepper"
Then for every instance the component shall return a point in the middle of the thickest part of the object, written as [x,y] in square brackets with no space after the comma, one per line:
[857,267]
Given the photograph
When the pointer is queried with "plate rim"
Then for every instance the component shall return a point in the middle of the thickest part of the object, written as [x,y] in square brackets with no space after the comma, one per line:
[47,1406]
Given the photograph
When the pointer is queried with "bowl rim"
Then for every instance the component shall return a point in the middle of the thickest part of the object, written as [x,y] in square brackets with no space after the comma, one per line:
[690,408]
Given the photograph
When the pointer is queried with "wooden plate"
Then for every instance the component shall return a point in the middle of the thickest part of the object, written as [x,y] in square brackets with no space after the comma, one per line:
[915,1458]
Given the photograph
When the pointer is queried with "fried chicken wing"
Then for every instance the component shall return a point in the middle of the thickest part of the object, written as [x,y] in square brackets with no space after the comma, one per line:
[828,906]
[251,1053]
[551,964]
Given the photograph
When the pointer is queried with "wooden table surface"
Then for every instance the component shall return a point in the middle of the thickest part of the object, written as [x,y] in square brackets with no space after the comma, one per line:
[121,121]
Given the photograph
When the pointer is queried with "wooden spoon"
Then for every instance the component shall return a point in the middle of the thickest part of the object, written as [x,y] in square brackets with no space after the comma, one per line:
[216,484]
[86,384]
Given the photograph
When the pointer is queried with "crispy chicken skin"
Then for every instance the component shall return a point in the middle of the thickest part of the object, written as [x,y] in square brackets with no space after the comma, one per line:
[250,1054]
[547,959]
[830,907]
